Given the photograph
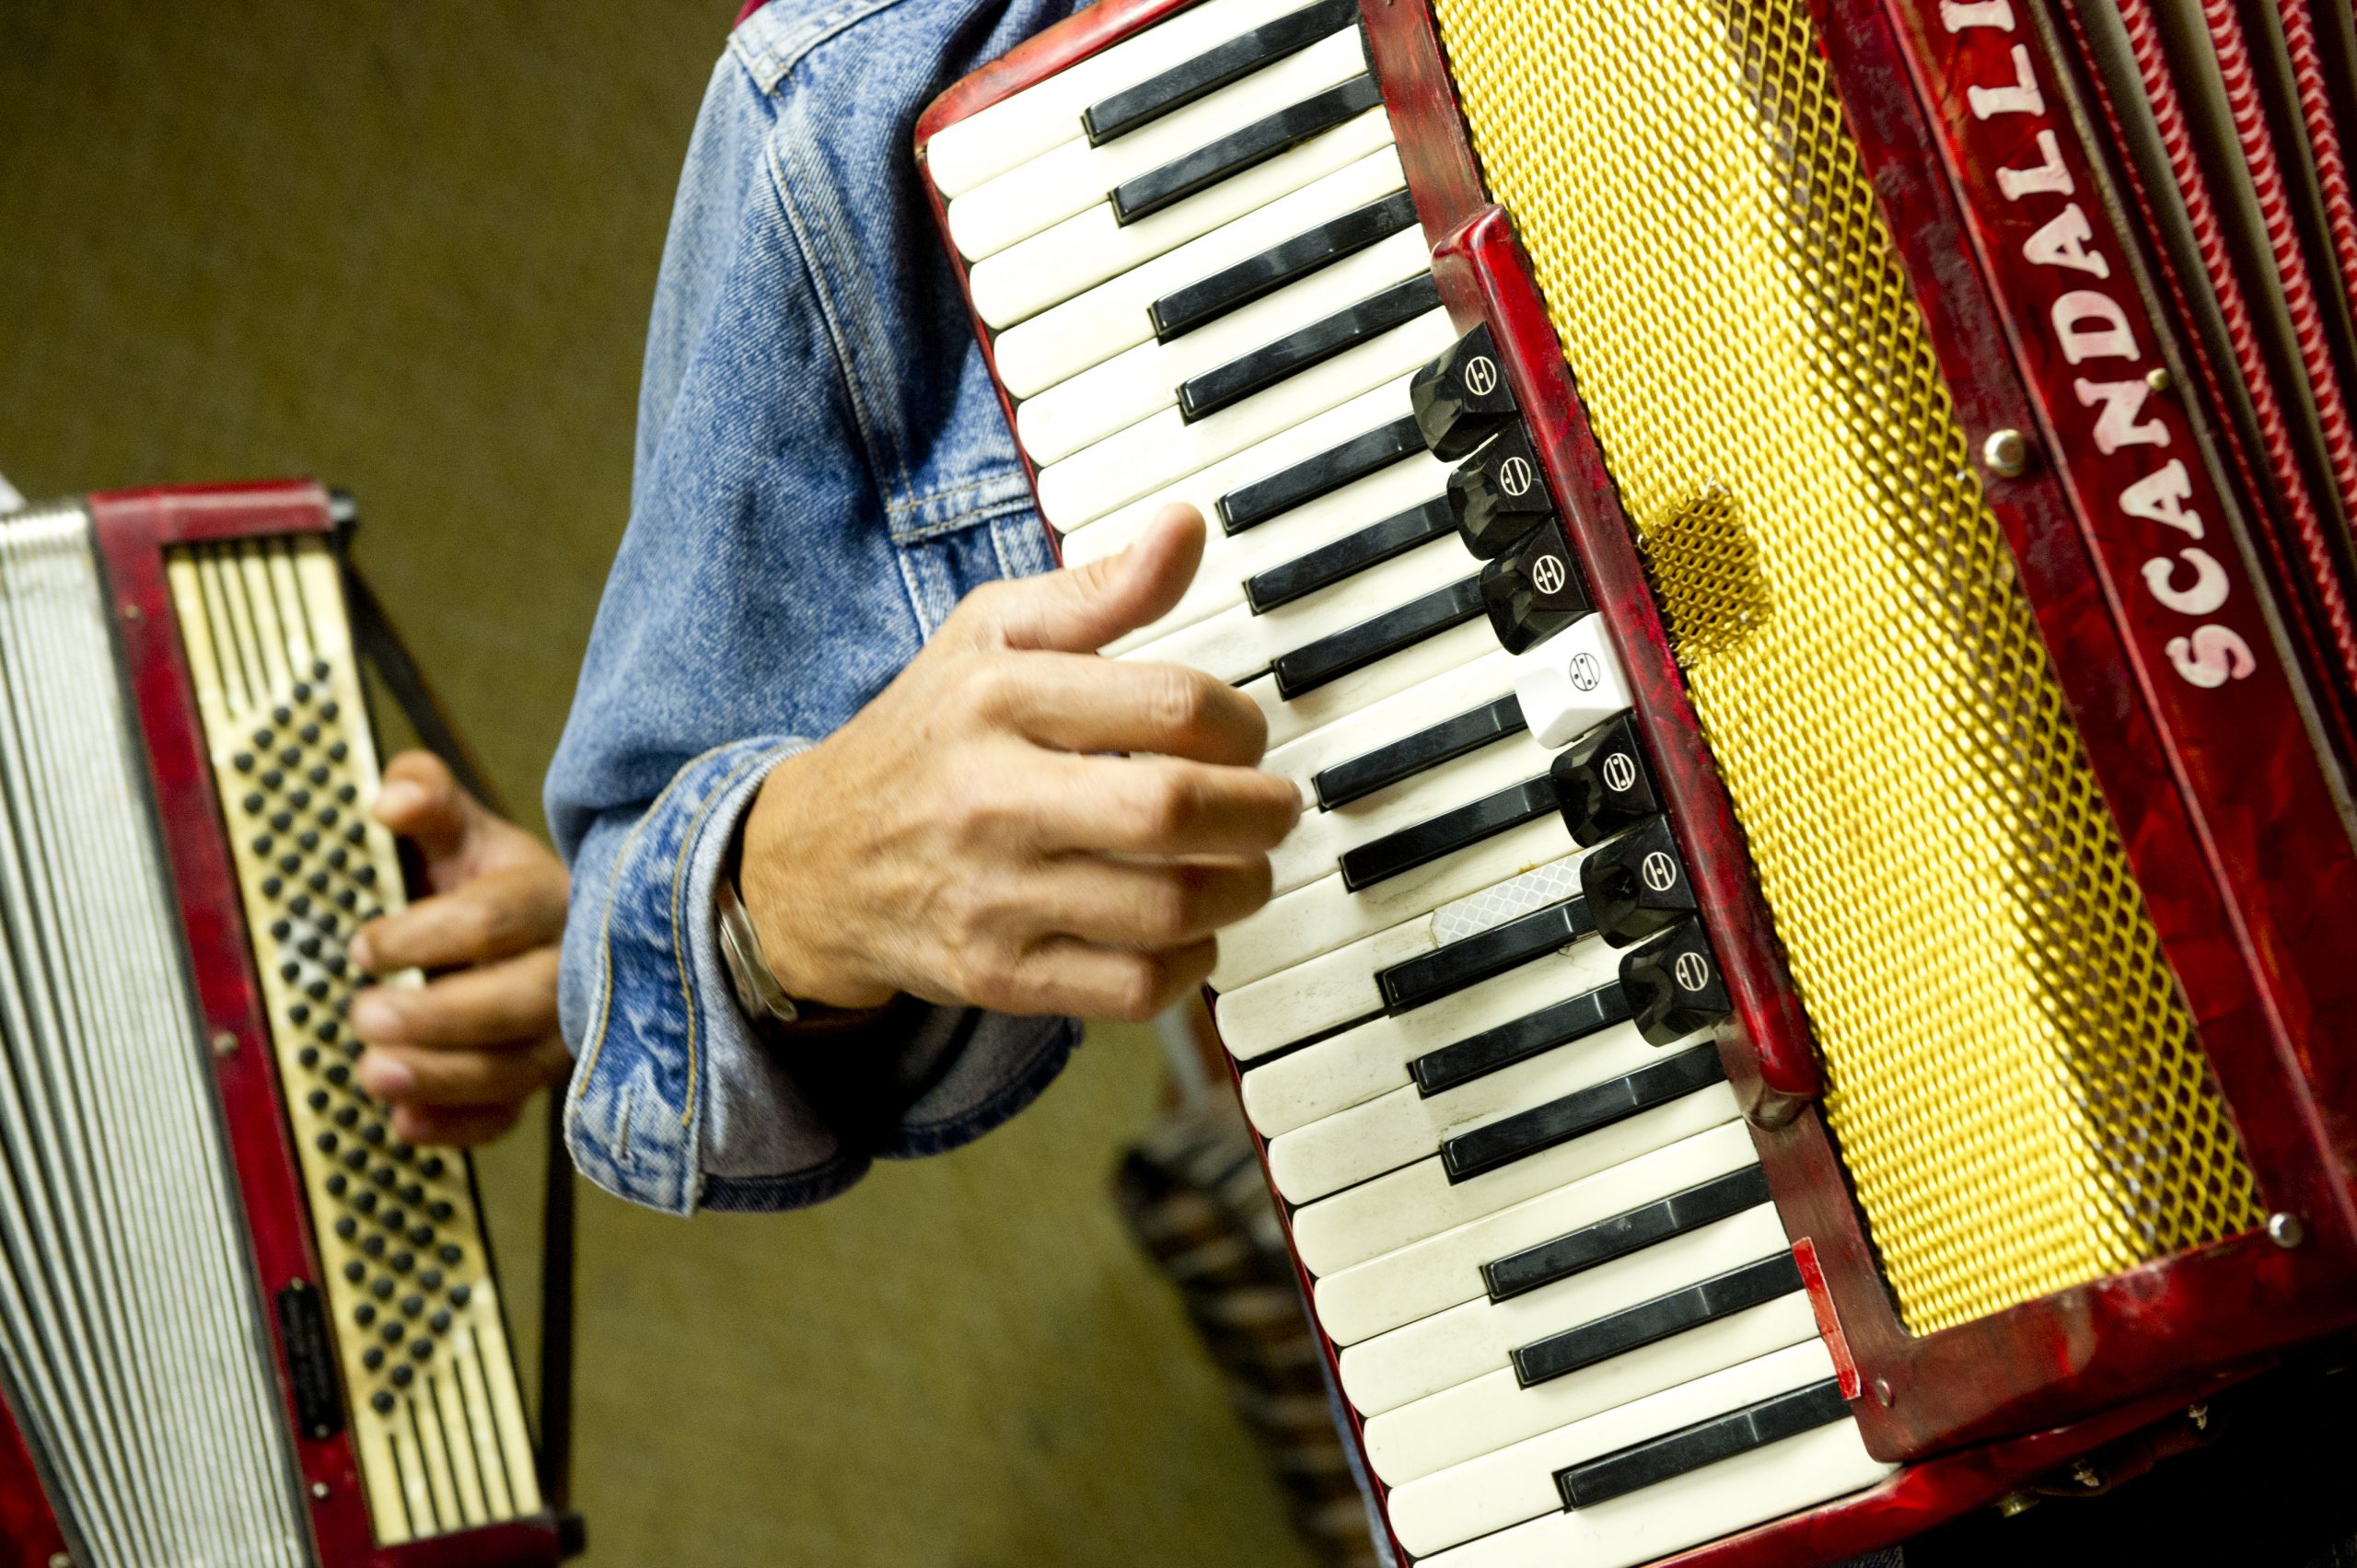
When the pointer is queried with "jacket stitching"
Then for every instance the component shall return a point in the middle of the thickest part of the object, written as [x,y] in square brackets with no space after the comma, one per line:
[781,51]
[972,517]
[679,956]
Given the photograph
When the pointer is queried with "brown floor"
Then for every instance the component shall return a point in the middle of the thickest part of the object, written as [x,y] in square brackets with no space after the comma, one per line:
[409,246]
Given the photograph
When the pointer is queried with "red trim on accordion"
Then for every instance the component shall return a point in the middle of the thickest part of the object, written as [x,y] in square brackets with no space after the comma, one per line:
[29,1534]
[132,531]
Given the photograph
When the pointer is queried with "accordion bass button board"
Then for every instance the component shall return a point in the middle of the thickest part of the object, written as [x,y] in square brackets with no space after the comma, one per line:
[241,1322]
[1813,677]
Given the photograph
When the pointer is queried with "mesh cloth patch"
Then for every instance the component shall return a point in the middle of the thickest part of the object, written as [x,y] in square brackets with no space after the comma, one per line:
[2014,1079]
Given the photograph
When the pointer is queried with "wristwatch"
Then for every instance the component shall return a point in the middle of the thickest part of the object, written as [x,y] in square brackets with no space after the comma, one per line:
[758,989]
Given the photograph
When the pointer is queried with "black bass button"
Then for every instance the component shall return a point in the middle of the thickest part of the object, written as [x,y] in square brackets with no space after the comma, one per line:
[1461,399]
[1498,495]
[1675,982]
[1602,783]
[1635,884]
[1534,593]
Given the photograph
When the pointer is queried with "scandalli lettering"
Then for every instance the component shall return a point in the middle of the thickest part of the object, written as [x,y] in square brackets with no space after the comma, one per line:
[2093,331]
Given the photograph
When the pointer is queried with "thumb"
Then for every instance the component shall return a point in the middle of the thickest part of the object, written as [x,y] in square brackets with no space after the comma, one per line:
[421,800]
[1080,609]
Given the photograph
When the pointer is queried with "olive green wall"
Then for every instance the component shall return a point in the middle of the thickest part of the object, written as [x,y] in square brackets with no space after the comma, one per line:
[408,247]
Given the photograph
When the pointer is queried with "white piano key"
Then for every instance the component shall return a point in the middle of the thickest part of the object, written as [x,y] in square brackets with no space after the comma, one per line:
[1084,250]
[1419,1201]
[1023,125]
[1073,176]
[1371,1058]
[1460,688]
[1144,381]
[1064,340]
[1410,667]
[1491,1412]
[1404,1126]
[1313,921]
[1237,645]
[1703,1505]
[1315,846]
[1445,1271]
[1156,451]
[1518,1482]
[1477,1337]
[1340,987]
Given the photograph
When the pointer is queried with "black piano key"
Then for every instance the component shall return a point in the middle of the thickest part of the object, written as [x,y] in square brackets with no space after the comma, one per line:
[1508,1139]
[1214,69]
[1183,310]
[1636,885]
[1603,781]
[1675,985]
[1477,1056]
[1706,1204]
[1241,149]
[1461,399]
[1472,960]
[1412,754]
[1225,386]
[1353,553]
[1318,474]
[1354,647]
[1719,1296]
[1449,831]
[1704,1443]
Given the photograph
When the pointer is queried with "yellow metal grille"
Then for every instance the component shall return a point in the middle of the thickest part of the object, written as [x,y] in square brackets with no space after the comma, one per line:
[2012,1077]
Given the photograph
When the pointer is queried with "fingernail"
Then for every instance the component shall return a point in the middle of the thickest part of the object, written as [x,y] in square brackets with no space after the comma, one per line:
[398,799]
[374,1016]
[386,1077]
[361,953]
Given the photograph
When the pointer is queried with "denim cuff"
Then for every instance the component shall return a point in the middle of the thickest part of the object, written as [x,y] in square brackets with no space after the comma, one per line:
[679,1103]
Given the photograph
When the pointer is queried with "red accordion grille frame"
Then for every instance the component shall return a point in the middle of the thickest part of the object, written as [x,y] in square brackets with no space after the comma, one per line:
[132,531]
[2235,889]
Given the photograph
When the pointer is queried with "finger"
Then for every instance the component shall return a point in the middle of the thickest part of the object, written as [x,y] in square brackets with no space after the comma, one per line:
[495,916]
[438,1126]
[467,1080]
[1083,607]
[1148,904]
[422,800]
[1160,806]
[1074,702]
[1085,980]
[514,999]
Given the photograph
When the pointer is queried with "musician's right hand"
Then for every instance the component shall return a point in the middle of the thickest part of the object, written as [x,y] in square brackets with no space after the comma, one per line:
[965,839]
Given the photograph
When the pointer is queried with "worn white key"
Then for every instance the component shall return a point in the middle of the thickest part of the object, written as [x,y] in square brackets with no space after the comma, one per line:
[1023,125]
[1703,1505]
[1491,1412]
[1445,1271]
[1418,1202]
[1458,690]
[1343,986]
[1084,250]
[1371,1058]
[1477,1337]
[1237,645]
[1404,1126]
[1161,449]
[1073,176]
[1315,846]
[1412,666]
[1517,1482]
[1144,380]
[1066,339]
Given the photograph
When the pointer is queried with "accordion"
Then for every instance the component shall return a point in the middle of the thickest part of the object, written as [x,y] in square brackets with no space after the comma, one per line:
[1799,553]
[240,1324]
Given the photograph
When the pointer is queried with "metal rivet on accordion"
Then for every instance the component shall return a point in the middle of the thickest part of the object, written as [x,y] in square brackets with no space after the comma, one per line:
[2286,1230]
[225,1042]
[320,1489]
[2006,452]
[2157,377]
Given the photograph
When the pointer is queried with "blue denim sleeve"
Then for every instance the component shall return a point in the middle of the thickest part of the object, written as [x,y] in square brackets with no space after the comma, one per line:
[820,472]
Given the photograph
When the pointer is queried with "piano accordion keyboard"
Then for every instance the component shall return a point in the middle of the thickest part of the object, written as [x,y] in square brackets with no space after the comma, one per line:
[436,1418]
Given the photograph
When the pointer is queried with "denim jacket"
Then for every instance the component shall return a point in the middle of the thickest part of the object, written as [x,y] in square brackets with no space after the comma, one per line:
[822,471]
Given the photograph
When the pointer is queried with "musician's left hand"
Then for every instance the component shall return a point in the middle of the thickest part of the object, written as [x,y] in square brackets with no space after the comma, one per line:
[457,1057]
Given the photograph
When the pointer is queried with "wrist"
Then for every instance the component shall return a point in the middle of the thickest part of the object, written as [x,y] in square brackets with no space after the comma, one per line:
[792,899]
